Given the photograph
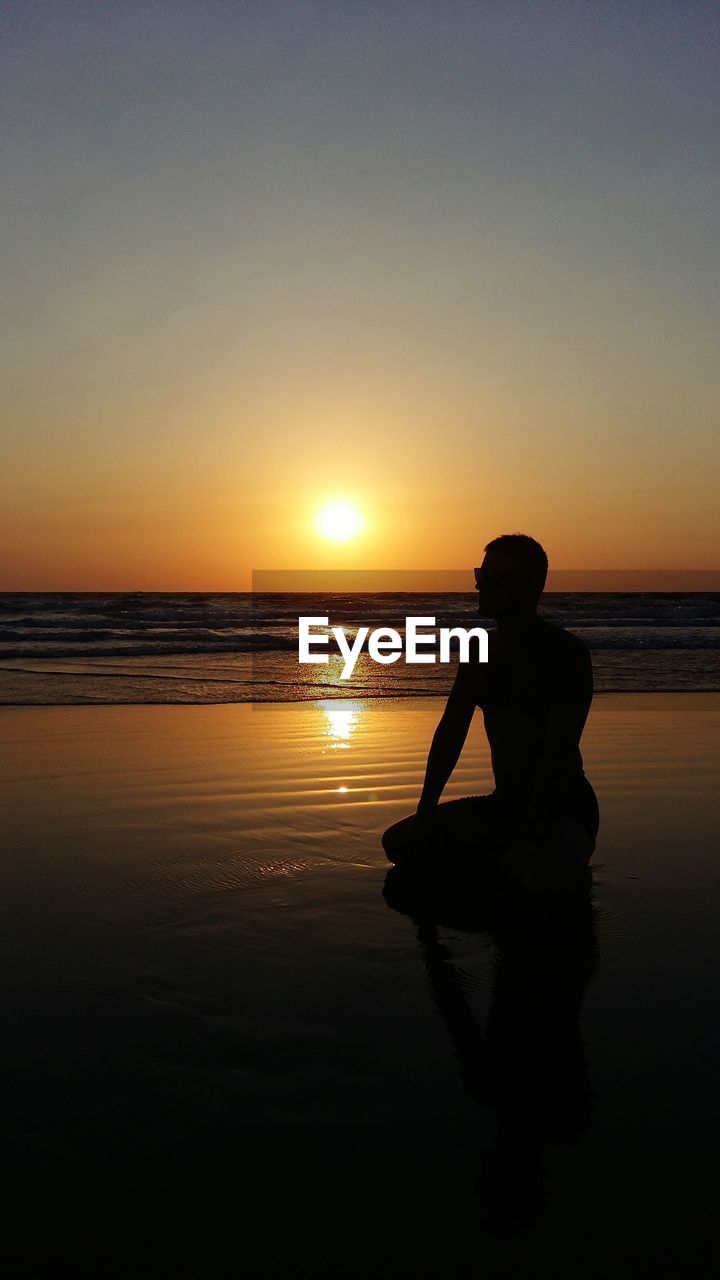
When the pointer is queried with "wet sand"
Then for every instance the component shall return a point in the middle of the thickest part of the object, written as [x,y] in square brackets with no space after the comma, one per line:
[225,1025]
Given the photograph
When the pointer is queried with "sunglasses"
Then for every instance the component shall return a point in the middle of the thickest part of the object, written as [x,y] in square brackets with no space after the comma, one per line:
[483,575]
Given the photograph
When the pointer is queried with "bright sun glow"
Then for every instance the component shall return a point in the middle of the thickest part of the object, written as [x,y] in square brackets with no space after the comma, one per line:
[339,521]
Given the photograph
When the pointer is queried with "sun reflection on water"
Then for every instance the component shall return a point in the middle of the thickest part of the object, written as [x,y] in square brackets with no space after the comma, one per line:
[343,718]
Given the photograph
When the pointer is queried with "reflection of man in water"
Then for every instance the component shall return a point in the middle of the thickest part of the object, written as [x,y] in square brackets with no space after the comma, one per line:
[527,1063]
[539,825]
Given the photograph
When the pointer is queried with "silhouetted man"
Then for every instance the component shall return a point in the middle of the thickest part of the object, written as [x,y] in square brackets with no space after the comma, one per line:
[538,827]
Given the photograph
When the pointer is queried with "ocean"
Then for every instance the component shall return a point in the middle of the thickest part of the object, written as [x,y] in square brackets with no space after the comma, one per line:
[207,647]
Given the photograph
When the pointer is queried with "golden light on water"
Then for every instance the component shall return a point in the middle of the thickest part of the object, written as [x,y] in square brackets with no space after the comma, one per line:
[342,719]
[339,520]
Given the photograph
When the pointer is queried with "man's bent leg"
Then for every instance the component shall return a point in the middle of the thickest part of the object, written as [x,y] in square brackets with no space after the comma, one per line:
[457,827]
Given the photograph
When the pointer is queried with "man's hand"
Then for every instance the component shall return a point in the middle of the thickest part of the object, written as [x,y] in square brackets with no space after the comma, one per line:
[426,817]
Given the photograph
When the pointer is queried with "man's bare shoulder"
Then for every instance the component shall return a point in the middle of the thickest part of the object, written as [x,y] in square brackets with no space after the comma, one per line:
[560,636]
[562,642]
[566,659]
[470,676]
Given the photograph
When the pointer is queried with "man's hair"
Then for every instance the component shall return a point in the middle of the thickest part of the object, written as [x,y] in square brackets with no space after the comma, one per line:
[527,553]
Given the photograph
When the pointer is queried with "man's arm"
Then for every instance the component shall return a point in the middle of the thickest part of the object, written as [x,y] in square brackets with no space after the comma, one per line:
[448,741]
[571,695]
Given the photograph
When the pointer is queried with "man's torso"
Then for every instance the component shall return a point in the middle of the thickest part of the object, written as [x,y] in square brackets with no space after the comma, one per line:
[516,690]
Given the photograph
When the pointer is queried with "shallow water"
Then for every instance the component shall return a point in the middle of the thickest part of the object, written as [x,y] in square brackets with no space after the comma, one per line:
[219,997]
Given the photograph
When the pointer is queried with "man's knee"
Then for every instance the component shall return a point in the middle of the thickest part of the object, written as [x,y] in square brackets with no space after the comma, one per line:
[400,838]
[389,841]
[457,831]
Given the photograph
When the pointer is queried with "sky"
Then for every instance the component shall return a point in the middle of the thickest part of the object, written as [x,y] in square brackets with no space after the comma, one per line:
[456,263]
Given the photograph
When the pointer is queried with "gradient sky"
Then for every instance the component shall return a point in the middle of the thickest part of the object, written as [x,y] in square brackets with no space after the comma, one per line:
[455,261]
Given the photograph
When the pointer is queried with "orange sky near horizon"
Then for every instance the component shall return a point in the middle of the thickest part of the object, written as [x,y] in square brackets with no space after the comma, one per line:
[199,519]
[210,533]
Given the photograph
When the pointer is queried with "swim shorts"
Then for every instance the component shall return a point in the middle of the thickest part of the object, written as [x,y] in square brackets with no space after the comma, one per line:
[579,803]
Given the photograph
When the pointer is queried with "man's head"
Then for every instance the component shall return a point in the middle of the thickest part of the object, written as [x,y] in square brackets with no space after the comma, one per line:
[512,576]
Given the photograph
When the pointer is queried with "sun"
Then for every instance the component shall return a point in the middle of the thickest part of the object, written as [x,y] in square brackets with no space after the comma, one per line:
[339,520]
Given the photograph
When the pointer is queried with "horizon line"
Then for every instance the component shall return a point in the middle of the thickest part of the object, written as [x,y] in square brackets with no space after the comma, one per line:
[375,579]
